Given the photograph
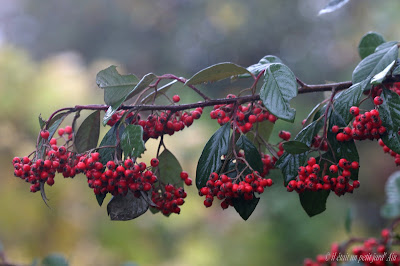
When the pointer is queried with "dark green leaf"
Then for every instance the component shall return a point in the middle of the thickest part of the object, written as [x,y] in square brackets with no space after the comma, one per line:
[368,44]
[279,88]
[314,202]
[313,113]
[344,149]
[289,164]
[391,209]
[169,169]
[251,153]
[348,220]
[124,208]
[333,5]
[100,198]
[132,141]
[42,122]
[385,45]
[216,72]
[396,71]
[110,139]
[261,65]
[149,98]
[115,85]
[55,259]
[346,99]
[210,159]
[307,134]
[378,78]
[88,133]
[389,112]
[245,207]
[374,63]
[295,147]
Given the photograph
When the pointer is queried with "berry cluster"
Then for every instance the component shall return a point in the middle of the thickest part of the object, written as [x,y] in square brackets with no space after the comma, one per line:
[373,251]
[377,89]
[365,126]
[168,199]
[226,188]
[57,160]
[310,178]
[245,116]
[156,124]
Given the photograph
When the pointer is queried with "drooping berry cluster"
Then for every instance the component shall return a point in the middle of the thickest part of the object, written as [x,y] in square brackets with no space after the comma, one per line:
[226,188]
[246,115]
[168,198]
[310,178]
[373,251]
[56,160]
[365,126]
[156,124]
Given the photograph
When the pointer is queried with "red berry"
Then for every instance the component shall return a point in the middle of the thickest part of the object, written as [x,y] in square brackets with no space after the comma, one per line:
[45,134]
[61,132]
[335,129]
[184,175]
[354,110]
[188,181]
[154,162]
[378,100]
[252,119]
[68,130]
[176,98]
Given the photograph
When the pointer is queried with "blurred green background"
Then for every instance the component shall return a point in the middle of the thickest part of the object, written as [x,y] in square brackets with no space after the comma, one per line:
[50,52]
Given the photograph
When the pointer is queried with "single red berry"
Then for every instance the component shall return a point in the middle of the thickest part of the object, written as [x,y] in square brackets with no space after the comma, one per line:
[68,130]
[176,98]
[61,131]
[184,175]
[356,184]
[252,119]
[154,162]
[333,169]
[45,134]
[378,100]
[188,181]
[335,129]
[354,110]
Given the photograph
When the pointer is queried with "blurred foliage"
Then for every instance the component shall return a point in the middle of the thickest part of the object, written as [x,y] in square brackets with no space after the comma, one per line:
[49,55]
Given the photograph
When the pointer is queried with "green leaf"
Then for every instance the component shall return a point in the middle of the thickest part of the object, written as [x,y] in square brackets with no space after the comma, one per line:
[333,5]
[216,72]
[42,122]
[251,153]
[124,208]
[348,220]
[143,84]
[169,169]
[344,149]
[313,113]
[368,44]
[344,100]
[88,133]
[295,147]
[386,45]
[261,65]
[55,259]
[140,86]
[278,89]
[389,113]
[110,139]
[245,207]
[378,78]
[374,63]
[149,98]
[307,134]
[100,198]
[314,202]
[391,209]
[396,71]
[210,159]
[115,85]
[55,123]
[132,141]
